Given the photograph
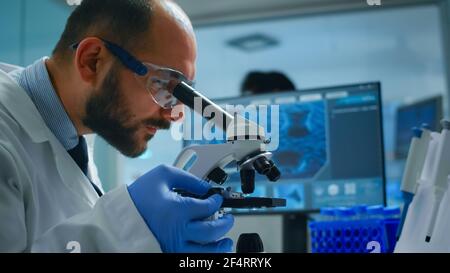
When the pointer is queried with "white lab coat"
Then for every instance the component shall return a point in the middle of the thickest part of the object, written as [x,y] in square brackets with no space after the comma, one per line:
[46,202]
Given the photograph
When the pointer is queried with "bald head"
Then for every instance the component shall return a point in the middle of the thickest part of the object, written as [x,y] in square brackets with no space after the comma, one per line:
[172,11]
[170,39]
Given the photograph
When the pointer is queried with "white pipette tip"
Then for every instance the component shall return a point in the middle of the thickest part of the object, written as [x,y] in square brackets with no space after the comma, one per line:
[434,213]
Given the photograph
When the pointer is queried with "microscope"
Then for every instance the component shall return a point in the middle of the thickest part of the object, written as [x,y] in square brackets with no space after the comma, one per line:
[245,146]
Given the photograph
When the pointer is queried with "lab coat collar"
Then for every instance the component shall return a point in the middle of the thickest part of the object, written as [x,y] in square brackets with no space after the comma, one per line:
[23,110]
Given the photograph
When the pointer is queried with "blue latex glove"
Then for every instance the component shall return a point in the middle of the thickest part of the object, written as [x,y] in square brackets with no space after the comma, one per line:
[178,222]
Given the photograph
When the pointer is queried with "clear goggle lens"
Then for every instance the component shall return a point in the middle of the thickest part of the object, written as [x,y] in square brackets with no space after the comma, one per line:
[160,82]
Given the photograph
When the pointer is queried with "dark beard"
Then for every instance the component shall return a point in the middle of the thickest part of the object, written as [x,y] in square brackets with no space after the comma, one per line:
[107,116]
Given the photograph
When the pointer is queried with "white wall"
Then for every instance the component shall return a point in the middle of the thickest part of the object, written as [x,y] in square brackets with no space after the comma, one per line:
[30,29]
[10,35]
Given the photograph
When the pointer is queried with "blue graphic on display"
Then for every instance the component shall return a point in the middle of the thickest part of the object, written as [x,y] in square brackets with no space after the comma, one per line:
[302,146]
[293,193]
[360,99]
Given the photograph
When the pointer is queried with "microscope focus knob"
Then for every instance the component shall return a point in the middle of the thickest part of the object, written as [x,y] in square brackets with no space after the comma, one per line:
[262,165]
[249,243]
[267,167]
[274,174]
[218,176]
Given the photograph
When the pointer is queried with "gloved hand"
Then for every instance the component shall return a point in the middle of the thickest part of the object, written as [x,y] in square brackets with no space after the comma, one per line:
[178,222]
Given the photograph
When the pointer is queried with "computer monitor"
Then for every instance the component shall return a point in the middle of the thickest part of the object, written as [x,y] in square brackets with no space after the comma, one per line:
[428,111]
[330,148]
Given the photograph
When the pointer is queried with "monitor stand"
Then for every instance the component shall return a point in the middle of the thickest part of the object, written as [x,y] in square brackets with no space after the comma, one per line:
[295,232]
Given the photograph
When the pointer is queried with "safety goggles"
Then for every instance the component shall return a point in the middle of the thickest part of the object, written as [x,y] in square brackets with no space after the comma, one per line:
[159,81]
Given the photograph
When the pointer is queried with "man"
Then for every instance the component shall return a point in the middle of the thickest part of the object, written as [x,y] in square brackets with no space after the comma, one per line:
[108,74]
[256,82]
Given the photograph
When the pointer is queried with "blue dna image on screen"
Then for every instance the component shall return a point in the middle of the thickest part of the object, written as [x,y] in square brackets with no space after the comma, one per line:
[302,147]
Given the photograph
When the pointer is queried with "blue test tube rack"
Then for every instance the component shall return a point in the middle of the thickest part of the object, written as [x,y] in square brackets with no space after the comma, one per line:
[353,235]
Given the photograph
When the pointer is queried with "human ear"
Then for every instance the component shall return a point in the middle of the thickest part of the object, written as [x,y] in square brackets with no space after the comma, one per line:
[89,59]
